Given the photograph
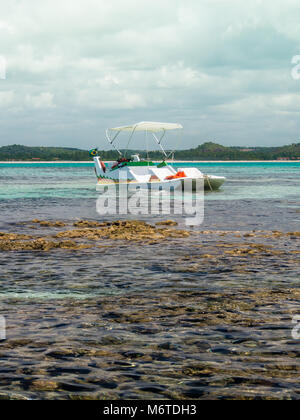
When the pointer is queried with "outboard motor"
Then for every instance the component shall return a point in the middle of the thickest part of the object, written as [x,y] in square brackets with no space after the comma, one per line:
[135,158]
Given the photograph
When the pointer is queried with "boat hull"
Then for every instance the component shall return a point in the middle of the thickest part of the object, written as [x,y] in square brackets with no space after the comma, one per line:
[208,183]
[133,187]
[213,183]
[140,175]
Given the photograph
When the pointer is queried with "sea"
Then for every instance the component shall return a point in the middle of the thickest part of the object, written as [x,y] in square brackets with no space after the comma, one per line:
[256,195]
[136,321]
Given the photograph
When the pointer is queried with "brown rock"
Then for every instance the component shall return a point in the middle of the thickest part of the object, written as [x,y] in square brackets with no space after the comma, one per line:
[167,223]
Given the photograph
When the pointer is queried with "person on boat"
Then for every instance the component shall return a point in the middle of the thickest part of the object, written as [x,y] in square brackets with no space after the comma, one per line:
[120,163]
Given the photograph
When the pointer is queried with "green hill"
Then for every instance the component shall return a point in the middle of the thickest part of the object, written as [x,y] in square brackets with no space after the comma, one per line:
[206,151]
[17,152]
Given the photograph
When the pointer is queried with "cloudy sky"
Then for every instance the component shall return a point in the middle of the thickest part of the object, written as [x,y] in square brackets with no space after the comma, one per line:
[222,68]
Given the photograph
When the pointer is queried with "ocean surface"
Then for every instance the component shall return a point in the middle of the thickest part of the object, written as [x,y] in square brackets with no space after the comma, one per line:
[255,195]
[142,321]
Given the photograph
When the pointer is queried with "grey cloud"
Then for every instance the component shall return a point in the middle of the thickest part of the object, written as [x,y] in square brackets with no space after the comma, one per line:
[222,68]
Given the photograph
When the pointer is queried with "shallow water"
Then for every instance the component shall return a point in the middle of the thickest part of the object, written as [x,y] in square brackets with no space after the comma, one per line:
[178,319]
[264,195]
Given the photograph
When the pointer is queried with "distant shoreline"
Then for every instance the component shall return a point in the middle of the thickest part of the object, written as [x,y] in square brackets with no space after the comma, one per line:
[203,153]
[175,161]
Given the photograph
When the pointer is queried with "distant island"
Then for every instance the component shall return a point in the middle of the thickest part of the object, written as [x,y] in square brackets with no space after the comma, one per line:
[208,151]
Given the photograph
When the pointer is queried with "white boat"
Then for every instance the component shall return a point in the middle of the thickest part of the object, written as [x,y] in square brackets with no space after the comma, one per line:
[137,173]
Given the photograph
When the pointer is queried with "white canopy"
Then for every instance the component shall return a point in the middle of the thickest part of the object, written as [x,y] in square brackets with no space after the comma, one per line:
[153,127]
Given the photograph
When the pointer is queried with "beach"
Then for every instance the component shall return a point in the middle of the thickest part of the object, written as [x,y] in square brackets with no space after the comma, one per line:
[63,162]
[119,308]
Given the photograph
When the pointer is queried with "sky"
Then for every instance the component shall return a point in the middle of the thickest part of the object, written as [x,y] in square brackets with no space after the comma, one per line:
[222,68]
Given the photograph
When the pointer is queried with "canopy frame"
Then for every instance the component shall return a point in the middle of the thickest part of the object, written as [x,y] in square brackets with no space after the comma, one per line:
[111,141]
[146,127]
[159,142]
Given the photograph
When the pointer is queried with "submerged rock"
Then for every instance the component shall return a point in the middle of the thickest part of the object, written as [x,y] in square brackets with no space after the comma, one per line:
[13,237]
[167,223]
[46,223]
[39,244]
[135,230]
[88,224]
[124,230]
[44,385]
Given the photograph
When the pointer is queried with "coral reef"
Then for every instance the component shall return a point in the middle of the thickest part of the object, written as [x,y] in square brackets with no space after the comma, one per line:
[90,231]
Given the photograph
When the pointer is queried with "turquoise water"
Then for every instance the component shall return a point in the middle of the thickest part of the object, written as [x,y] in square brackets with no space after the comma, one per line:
[269,191]
[57,189]
[250,179]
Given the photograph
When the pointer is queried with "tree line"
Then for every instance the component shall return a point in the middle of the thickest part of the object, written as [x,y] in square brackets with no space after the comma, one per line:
[206,151]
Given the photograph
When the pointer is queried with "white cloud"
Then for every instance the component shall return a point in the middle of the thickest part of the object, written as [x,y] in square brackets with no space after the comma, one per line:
[34,60]
[6,98]
[211,64]
[43,100]
[110,100]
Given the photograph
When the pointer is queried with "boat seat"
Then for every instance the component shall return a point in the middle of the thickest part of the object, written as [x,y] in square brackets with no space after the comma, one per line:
[192,172]
[141,174]
[161,173]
